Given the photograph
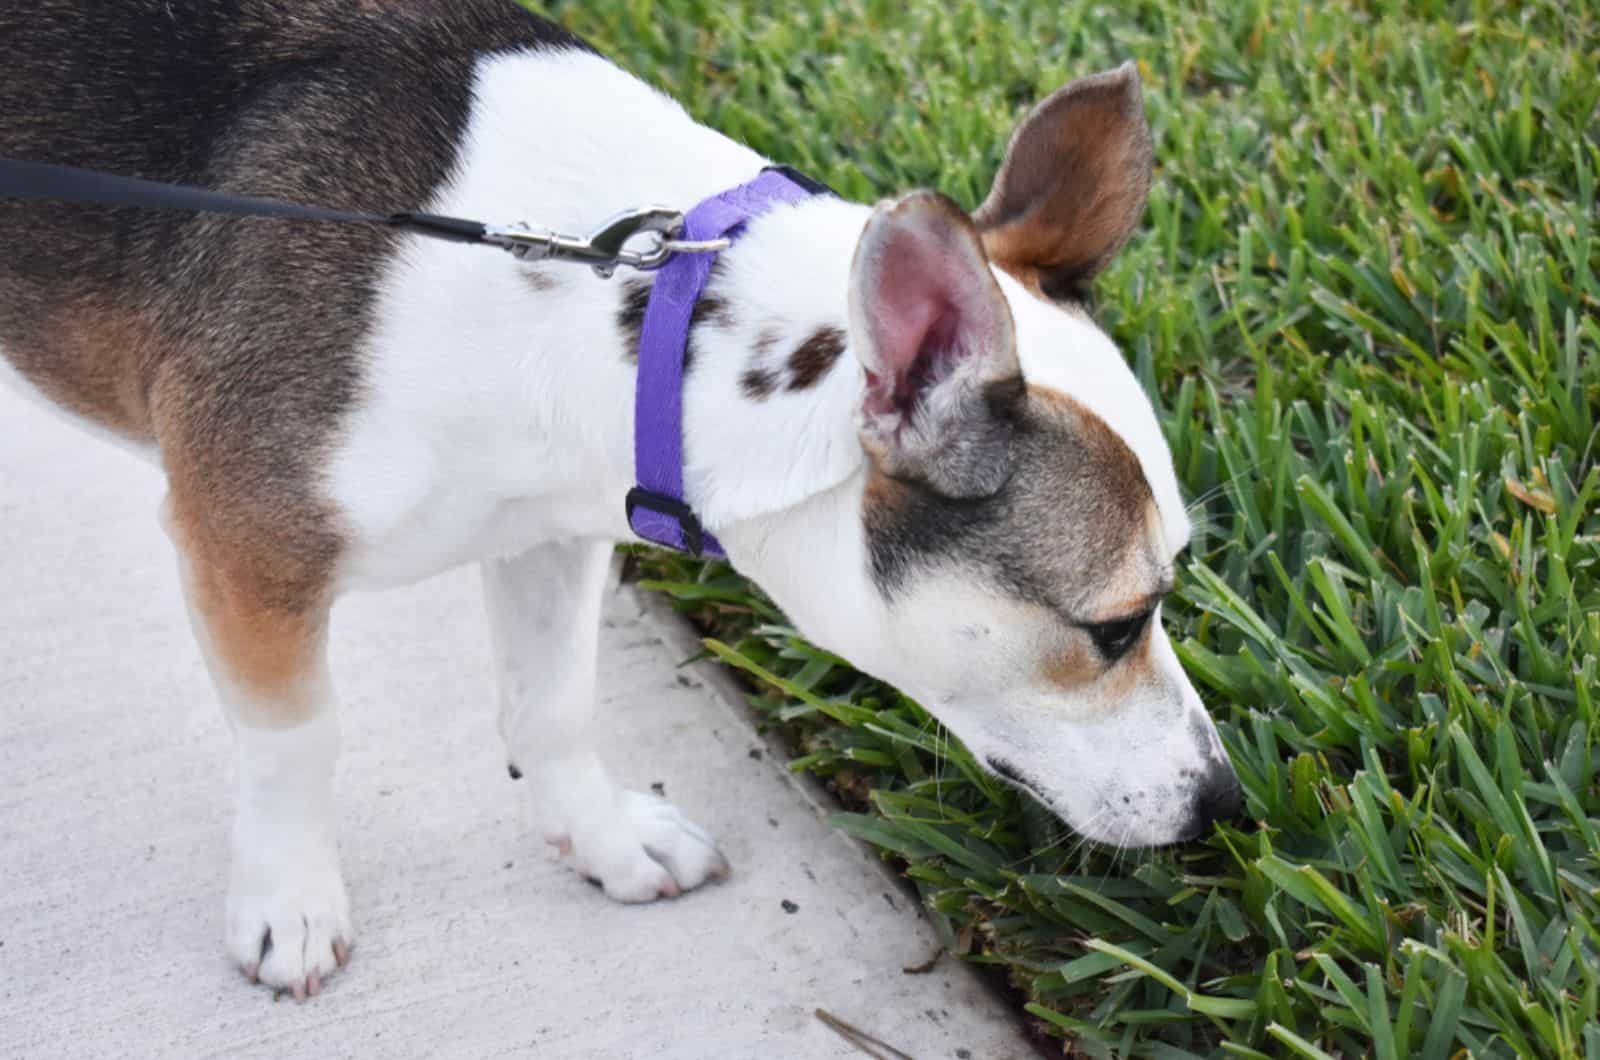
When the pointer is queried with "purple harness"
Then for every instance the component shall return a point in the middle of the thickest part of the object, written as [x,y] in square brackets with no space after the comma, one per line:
[657,511]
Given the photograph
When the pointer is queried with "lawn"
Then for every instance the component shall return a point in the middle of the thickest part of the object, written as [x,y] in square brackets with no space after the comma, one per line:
[1365,298]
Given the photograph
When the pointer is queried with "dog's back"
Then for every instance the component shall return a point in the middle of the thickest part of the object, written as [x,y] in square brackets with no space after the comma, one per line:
[140,320]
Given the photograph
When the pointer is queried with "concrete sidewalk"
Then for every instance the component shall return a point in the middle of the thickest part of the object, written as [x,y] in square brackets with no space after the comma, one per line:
[115,806]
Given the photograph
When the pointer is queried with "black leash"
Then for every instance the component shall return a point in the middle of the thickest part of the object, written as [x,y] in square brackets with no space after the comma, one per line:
[40,180]
[603,250]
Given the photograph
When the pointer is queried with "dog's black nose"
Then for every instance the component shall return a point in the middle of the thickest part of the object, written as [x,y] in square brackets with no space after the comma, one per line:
[1219,799]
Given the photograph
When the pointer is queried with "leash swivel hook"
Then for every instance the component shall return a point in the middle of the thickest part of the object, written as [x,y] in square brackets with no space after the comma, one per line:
[608,245]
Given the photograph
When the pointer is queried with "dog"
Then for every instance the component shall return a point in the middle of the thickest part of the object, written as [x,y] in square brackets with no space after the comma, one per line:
[900,419]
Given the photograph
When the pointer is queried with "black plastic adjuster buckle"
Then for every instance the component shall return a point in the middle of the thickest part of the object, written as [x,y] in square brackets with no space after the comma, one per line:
[694,535]
[809,183]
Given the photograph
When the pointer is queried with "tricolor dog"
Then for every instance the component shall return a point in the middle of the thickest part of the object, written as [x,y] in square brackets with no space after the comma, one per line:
[898,419]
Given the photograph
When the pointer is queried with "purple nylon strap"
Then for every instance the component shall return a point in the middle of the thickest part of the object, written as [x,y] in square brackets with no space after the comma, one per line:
[657,511]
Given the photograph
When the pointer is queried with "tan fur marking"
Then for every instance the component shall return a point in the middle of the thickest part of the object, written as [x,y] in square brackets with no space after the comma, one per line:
[271,657]
[1074,664]
[263,609]
[881,494]
[1077,665]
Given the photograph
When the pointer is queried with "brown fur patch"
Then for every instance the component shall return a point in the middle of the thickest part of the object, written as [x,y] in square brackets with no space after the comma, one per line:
[813,358]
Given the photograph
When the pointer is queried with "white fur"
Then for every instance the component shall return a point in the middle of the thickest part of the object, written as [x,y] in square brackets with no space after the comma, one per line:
[285,875]
[499,422]
[544,617]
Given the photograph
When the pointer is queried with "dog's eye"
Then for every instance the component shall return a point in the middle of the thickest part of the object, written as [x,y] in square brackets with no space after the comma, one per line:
[1115,638]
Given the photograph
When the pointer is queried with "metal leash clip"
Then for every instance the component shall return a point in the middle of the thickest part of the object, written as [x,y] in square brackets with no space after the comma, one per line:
[607,246]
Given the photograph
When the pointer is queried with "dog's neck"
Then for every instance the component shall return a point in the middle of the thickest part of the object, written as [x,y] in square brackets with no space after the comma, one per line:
[771,392]
[774,462]
[771,395]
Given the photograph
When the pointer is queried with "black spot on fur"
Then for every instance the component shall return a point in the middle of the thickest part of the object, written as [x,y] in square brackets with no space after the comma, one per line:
[813,358]
[1064,286]
[758,384]
[630,318]
[767,341]
[710,309]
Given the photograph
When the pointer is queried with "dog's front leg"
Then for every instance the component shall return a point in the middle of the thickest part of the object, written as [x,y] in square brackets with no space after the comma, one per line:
[544,613]
[263,631]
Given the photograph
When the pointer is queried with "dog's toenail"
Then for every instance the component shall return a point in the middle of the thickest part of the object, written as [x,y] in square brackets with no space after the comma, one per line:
[314,984]
[516,774]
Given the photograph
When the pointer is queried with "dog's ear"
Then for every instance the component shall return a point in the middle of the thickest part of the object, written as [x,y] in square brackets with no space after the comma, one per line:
[935,336]
[1073,184]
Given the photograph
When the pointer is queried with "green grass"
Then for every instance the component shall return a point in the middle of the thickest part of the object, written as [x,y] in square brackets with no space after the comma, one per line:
[1365,298]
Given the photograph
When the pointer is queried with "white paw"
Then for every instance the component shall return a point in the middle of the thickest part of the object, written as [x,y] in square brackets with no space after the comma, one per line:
[639,848]
[288,916]
[288,926]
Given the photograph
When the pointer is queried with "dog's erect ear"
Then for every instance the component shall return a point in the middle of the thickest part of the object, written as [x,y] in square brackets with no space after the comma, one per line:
[935,335]
[1073,184]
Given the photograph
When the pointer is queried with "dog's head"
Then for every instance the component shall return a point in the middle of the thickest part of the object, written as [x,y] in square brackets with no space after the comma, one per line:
[1020,518]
